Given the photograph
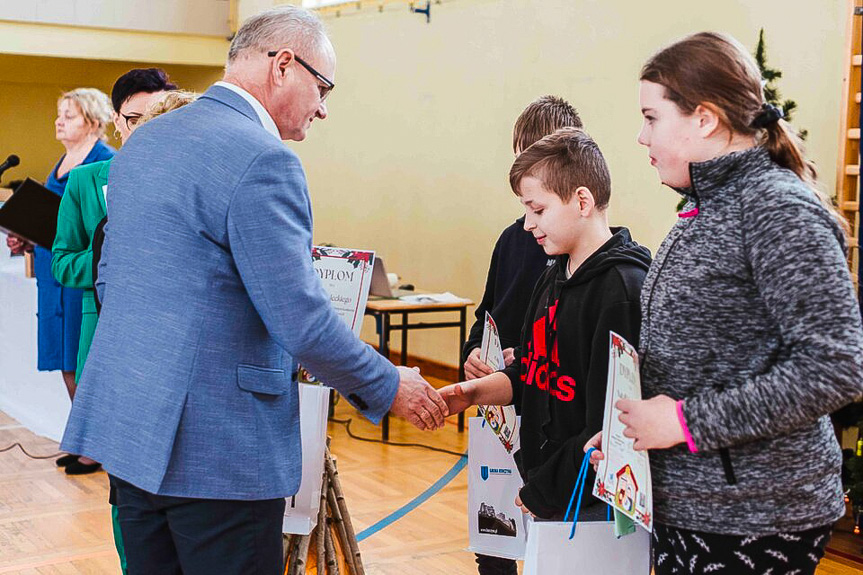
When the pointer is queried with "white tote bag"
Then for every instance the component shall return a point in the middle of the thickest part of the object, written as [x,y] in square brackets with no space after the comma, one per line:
[586,548]
[496,526]
[301,510]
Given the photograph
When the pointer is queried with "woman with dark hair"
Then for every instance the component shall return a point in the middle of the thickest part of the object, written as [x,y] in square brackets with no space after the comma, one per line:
[81,209]
[751,331]
[133,93]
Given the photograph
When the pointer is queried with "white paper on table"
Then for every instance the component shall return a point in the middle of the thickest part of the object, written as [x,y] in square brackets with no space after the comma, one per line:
[623,479]
[502,419]
[445,297]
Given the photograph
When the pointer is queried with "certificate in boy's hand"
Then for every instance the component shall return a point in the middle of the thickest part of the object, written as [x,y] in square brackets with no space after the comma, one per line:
[502,418]
[623,478]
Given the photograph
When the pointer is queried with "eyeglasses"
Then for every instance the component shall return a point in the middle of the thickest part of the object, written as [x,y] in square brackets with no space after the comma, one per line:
[132,120]
[328,85]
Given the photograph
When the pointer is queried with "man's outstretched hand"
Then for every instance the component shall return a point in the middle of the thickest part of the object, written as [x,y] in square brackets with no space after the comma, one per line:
[418,402]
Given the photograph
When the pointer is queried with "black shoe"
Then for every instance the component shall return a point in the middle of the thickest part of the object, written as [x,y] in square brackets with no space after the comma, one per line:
[66,460]
[78,468]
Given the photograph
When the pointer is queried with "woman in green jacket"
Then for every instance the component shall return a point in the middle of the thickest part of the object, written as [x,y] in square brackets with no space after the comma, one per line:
[72,255]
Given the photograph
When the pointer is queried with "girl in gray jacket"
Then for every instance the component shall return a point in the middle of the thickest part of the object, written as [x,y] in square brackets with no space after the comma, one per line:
[751,333]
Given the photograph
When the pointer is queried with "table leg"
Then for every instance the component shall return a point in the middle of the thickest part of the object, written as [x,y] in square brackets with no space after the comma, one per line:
[404,338]
[384,348]
[461,339]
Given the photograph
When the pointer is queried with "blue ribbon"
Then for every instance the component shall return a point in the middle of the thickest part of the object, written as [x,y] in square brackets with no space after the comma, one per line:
[579,488]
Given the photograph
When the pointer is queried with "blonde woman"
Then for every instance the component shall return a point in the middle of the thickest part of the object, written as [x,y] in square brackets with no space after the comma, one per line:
[82,116]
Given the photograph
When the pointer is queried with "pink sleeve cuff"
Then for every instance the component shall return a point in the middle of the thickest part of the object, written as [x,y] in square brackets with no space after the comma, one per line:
[682,419]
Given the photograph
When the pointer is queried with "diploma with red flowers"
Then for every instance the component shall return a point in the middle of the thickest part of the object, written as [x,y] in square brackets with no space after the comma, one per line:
[623,478]
[346,276]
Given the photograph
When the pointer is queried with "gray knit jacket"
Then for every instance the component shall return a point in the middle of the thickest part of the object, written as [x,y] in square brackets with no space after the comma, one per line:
[749,315]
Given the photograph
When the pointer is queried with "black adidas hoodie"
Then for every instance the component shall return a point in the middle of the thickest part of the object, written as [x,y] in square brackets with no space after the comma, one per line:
[561,394]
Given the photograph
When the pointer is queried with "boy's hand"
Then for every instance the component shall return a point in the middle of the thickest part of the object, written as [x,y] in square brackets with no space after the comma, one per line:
[508,356]
[474,368]
[596,456]
[458,397]
[523,507]
[652,423]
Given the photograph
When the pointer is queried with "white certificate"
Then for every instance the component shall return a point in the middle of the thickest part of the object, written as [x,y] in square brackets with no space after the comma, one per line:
[346,276]
[501,418]
[623,478]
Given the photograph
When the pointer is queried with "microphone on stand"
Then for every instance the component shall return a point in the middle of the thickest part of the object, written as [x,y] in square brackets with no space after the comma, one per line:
[10,162]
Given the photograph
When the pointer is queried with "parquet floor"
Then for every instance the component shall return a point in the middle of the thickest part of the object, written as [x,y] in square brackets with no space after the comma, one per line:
[54,525]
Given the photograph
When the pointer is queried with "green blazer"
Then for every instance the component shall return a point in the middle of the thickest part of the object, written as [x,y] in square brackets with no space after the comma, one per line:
[82,207]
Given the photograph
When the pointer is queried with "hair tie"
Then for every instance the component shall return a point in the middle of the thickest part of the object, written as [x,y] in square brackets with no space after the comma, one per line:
[768,116]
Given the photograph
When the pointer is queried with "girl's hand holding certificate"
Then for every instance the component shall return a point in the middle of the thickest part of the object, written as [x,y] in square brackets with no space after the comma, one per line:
[652,423]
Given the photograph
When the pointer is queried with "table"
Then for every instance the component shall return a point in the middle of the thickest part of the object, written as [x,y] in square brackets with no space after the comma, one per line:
[383,310]
[37,399]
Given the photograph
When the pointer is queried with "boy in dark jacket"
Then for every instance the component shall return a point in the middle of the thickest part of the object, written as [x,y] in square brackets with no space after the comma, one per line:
[559,377]
[516,263]
[517,260]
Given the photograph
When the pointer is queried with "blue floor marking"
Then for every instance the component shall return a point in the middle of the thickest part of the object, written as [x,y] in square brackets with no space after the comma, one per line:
[416,501]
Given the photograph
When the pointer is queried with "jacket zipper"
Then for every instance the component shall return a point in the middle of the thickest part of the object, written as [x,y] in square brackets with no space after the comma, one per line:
[724,454]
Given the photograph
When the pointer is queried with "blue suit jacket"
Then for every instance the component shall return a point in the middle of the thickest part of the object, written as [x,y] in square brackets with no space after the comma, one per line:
[210,300]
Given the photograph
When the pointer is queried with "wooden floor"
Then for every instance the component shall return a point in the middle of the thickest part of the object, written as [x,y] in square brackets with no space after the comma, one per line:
[51,524]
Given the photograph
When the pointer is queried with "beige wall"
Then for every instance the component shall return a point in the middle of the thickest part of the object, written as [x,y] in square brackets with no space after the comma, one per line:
[200,17]
[30,86]
[70,41]
[413,160]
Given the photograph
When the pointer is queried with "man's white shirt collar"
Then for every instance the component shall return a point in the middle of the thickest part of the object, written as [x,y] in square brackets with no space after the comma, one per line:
[262,113]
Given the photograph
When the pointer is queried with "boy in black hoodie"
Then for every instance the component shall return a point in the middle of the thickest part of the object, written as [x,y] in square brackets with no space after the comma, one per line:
[559,377]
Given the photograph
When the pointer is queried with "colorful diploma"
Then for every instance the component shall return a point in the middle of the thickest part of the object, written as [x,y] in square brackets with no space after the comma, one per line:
[623,478]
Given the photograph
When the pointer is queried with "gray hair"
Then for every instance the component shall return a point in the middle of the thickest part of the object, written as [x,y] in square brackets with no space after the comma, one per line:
[285,26]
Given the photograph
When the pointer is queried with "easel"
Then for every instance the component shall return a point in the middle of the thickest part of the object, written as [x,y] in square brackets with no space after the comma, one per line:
[336,551]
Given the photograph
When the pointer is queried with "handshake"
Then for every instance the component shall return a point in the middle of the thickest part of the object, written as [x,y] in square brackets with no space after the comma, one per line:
[423,405]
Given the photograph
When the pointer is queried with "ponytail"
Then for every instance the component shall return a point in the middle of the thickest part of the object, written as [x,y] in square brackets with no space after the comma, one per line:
[786,149]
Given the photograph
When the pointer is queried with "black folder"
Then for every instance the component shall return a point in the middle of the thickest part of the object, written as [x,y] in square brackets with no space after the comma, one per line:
[31,213]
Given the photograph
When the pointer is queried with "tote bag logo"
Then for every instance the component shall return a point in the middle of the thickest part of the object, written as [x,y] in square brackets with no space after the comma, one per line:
[485,471]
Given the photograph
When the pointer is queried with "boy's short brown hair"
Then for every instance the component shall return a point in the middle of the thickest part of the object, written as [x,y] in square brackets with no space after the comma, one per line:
[542,117]
[564,161]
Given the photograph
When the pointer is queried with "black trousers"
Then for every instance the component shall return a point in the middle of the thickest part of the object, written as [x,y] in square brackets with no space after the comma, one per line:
[178,535]
[678,551]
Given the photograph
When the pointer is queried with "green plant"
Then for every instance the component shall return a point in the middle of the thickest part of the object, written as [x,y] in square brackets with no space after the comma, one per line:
[771,76]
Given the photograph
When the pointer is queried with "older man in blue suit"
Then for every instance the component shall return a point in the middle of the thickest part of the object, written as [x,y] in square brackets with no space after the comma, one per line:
[189,397]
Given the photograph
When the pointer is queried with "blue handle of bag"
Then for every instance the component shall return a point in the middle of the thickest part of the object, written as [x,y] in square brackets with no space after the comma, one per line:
[579,488]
